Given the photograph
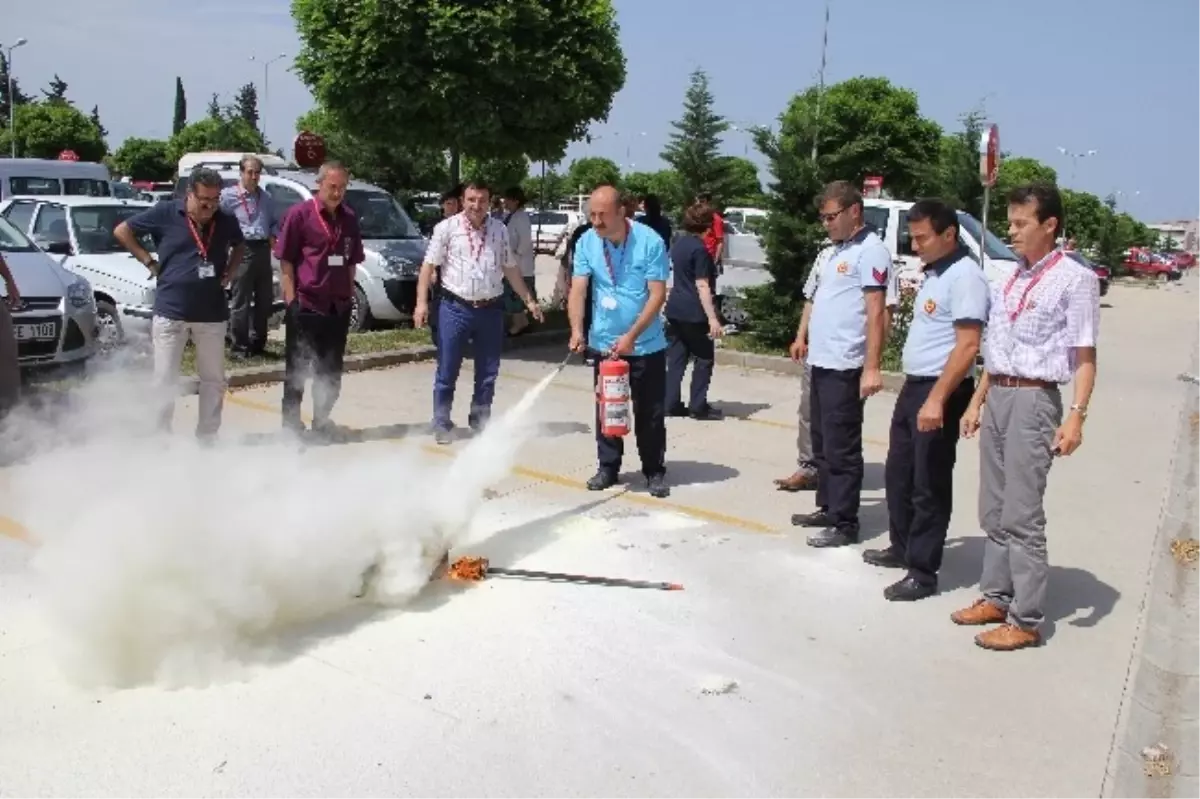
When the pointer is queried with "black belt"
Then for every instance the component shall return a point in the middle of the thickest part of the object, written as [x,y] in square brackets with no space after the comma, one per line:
[452,297]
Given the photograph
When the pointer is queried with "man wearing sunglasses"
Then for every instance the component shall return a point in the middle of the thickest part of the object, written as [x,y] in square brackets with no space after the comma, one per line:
[845,323]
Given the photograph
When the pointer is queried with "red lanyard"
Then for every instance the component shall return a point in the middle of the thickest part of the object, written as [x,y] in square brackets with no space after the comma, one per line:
[202,247]
[334,233]
[476,252]
[1013,315]
[242,197]
[612,275]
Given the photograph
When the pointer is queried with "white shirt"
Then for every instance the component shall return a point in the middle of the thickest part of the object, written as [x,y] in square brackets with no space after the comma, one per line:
[470,262]
[520,238]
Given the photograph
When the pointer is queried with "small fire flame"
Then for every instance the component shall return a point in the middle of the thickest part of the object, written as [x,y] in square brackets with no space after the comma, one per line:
[468,569]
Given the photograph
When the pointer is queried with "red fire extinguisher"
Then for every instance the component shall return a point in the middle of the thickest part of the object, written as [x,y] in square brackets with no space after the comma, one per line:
[612,396]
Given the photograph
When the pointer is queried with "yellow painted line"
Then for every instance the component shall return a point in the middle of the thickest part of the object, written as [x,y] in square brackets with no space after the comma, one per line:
[566,482]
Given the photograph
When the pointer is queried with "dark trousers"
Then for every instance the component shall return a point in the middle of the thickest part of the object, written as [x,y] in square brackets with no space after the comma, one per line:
[920,477]
[647,390]
[689,341]
[837,420]
[483,328]
[315,346]
[253,295]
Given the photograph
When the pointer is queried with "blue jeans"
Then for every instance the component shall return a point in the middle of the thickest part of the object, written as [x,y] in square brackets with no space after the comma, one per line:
[459,324]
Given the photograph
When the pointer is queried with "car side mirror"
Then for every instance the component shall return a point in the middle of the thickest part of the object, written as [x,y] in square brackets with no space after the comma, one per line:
[53,246]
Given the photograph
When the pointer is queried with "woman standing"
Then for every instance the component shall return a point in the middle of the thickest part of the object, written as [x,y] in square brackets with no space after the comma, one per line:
[692,317]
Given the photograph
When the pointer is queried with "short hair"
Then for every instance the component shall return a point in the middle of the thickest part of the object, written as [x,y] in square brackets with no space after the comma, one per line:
[940,215]
[516,194]
[203,176]
[698,217]
[452,194]
[1045,196]
[653,205]
[842,192]
[477,185]
[250,159]
[704,197]
[331,166]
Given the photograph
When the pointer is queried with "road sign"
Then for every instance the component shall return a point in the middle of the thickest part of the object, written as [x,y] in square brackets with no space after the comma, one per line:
[872,186]
[68,155]
[989,156]
[309,149]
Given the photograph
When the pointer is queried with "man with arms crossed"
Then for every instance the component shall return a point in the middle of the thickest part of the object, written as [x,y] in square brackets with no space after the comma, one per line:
[846,324]
[628,266]
[1042,332]
[939,354]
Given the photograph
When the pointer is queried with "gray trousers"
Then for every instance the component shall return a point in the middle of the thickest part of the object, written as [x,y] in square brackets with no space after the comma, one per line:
[804,449]
[253,296]
[10,370]
[1015,440]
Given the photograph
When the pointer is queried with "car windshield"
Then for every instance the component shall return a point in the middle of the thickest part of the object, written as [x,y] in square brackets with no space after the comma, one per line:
[13,240]
[94,225]
[380,216]
[996,249]
[548,218]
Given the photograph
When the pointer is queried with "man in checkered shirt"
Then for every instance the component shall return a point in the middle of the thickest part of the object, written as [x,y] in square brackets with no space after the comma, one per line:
[1042,332]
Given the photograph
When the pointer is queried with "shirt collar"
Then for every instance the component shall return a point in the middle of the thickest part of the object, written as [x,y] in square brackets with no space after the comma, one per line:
[857,238]
[1024,265]
[942,264]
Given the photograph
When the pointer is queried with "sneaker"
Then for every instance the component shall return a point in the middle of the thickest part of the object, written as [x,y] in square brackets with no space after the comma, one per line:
[601,480]
[442,436]
[657,485]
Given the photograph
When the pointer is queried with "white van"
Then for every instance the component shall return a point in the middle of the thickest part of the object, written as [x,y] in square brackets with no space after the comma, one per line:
[44,177]
[222,161]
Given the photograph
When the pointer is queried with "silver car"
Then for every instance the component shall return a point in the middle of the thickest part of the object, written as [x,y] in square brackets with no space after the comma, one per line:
[55,325]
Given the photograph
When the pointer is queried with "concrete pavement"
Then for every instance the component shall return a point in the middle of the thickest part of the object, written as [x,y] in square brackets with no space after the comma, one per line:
[779,670]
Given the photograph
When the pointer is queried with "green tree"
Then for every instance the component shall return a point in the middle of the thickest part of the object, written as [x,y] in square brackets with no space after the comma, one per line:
[46,129]
[96,121]
[664,183]
[56,92]
[384,163]
[440,73]
[693,150]
[19,97]
[499,173]
[226,134]
[143,159]
[1014,172]
[1086,218]
[246,103]
[585,174]
[214,107]
[549,192]
[180,120]
[956,179]
[742,186]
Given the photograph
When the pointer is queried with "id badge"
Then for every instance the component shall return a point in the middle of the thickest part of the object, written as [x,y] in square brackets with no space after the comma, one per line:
[336,260]
[608,303]
[207,270]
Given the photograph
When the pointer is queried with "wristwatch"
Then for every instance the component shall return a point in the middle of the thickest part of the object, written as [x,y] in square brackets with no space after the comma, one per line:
[1081,410]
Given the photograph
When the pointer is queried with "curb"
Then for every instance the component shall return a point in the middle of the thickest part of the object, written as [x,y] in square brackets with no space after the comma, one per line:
[274,373]
[777,364]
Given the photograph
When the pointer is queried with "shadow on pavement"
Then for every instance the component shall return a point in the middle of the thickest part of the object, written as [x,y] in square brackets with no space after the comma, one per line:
[739,410]
[682,473]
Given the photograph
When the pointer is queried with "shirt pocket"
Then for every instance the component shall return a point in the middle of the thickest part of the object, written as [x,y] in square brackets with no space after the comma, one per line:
[1042,321]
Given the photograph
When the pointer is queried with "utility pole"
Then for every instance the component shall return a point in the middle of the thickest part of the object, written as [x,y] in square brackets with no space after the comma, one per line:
[12,104]
[821,81]
[1074,164]
[263,115]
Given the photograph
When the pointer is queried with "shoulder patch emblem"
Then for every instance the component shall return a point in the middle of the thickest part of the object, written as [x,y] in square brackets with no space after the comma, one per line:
[880,275]
[930,306]
[843,268]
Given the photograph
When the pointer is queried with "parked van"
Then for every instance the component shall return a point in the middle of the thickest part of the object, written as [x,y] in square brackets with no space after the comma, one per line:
[40,176]
[385,284]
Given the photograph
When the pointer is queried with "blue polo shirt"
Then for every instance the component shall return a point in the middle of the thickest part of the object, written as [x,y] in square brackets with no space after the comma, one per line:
[181,293]
[954,290]
[837,328]
[641,259]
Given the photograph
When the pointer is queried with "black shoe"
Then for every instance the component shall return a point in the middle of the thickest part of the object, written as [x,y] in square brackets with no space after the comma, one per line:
[477,422]
[819,519]
[295,426]
[909,590]
[679,411]
[657,484]
[884,558]
[601,480]
[707,414]
[442,436]
[834,537]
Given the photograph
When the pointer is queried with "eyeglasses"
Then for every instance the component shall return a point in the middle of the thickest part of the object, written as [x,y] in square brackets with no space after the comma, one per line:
[830,217]
[205,202]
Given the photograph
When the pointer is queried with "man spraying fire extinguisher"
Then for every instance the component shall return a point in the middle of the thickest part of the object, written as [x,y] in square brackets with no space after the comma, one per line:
[625,262]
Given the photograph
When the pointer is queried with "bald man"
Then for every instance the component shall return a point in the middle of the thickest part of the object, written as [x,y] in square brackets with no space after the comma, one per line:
[626,265]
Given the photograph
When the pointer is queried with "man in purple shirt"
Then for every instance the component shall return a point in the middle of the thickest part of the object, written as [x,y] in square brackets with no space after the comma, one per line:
[319,248]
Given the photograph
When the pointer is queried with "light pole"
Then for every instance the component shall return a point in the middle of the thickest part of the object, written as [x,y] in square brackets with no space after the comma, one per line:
[12,106]
[1074,163]
[821,81]
[266,66]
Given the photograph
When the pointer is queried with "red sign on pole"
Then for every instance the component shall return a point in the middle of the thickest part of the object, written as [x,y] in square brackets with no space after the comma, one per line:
[68,155]
[872,186]
[989,156]
[309,149]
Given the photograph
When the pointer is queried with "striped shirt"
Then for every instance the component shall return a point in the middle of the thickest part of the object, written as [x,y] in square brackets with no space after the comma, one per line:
[470,262]
[1061,312]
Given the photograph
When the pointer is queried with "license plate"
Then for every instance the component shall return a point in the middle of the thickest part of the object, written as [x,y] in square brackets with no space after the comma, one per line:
[42,331]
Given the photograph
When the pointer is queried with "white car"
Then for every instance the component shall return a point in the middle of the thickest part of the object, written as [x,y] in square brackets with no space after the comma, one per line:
[78,233]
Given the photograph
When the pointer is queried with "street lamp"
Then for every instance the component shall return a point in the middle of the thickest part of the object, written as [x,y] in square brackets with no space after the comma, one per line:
[266,66]
[12,106]
[1074,156]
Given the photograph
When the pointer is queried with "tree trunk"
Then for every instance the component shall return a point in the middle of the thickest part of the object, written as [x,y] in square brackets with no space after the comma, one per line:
[455,166]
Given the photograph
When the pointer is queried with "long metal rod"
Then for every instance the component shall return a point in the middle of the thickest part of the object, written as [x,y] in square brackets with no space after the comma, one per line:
[580,578]
[821,81]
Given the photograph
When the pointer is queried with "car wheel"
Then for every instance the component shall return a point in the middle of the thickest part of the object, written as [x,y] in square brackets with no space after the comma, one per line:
[360,312]
[731,311]
[109,332]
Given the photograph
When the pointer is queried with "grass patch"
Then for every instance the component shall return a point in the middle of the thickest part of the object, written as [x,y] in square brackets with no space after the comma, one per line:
[750,343]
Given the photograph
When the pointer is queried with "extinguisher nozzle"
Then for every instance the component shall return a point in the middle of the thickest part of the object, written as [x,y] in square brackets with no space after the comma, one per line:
[674,587]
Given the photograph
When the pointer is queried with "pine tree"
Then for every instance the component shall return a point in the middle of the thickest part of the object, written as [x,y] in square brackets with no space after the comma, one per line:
[180,121]
[246,103]
[96,121]
[20,97]
[57,91]
[693,151]
[214,107]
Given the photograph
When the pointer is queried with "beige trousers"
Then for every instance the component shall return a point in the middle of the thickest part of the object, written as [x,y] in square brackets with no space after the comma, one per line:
[170,336]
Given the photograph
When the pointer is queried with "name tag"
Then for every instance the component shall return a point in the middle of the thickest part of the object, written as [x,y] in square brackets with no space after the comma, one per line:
[337,260]
[207,270]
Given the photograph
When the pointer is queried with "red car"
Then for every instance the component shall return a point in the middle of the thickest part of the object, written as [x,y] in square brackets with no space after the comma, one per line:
[1101,271]
[1144,263]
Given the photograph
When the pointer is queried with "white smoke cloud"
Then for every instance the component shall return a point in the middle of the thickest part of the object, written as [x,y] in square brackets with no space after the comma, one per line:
[163,561]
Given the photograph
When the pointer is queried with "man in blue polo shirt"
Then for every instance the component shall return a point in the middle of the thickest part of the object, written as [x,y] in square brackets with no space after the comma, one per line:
[626,265]
[199,249]
[939,355]
[847,327]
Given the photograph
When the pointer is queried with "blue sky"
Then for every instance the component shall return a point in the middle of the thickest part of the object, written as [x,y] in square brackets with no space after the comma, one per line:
[1122,78]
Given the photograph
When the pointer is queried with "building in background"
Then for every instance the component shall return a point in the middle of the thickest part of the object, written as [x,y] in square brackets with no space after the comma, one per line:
[1178,235]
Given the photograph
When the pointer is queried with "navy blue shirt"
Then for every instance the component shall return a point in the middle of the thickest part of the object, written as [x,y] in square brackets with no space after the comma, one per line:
[690,262]
[182,293]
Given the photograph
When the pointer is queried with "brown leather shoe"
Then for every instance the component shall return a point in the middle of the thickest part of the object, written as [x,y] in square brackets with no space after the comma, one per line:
[799,481]
[1008,637]
[980,612]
